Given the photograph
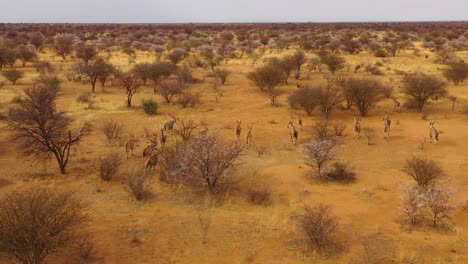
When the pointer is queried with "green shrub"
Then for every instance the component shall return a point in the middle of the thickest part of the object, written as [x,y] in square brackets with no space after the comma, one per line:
[149,106]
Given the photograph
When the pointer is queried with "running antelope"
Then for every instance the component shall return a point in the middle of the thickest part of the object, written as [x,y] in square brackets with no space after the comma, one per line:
[130,145]
[299,121]
[238,129]
[169,125]
[151,162]
[248,138]
[396,105]
[387,122]
[292,131]
[163,138]
[153,143]
[357,126]
[433,133]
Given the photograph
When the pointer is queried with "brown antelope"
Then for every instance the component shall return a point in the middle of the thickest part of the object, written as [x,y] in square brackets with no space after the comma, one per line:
[153,143]
[169,125]
[248,138]
[292,131]
[238,129]
[130,145]
[299,121]
[396,105]
[433,133]
[357,126]
[163,137]
[151,162]
[387,122]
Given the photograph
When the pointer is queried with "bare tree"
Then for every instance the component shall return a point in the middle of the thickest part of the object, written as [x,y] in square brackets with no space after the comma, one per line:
[298,59]
[424,171]
[63,45]
[93,71]
[330,98]
[322,130]
[85,52]
[365,93]
[39,129]
[412,202]
[13,75]
[142,71]
[306,97]
[130,82]
[168,89]
[318,153]
[185,128]
[38,222]
[333,61]
[456,72]
[202,159]
[318,224]
[437,199]
[25,54]
[266,78]
[420,87]
[176,55]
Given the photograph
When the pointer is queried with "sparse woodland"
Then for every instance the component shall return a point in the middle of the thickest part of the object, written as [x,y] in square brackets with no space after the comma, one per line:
[234,143]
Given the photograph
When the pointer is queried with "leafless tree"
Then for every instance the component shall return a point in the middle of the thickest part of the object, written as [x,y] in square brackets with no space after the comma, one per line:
[412,202]
[93,71]
[266,78]
[318,153]
[333,61]
[176,55]
[25,54]
[38,222]
[305,97]
[330,98]
[298,59]
[202,159]
[13,75]
[39,129]
[85,52]
[63,45]
[318,224]
[185,128]
[456,72]
[438,199]
[424,171]
[168,89]
[420,87]
[142,71]
[131,83]
[365,93]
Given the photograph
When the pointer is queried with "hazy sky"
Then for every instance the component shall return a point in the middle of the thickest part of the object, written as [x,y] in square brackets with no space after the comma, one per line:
[176,11]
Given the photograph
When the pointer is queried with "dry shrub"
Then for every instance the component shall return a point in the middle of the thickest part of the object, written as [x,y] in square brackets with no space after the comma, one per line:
[339,127]
[38,221]
[188,99]
[112,130]
[318,224]
[185,128]
[424,171]
[259,195]
[341,172]
[137,183]
[109,165]
[321,130]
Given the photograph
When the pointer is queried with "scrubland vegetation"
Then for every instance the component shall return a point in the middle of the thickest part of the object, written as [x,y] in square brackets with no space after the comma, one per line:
[234,143]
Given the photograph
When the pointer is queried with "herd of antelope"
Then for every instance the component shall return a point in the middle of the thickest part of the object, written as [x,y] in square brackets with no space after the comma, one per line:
[151,151]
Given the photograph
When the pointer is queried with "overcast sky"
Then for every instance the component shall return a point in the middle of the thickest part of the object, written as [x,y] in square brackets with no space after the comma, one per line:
[179,11]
